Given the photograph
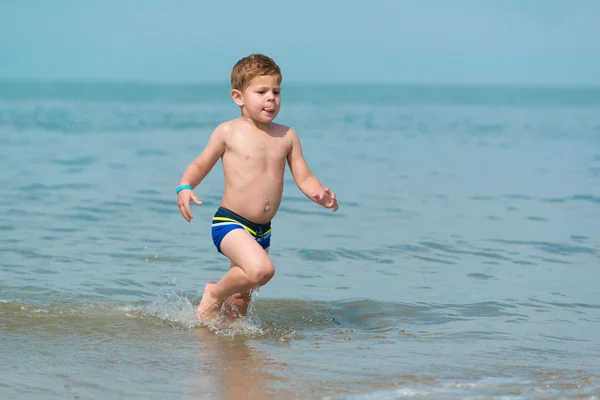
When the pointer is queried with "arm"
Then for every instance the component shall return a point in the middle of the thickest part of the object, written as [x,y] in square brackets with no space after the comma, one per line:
[198,169]
[204,163]
[304,178]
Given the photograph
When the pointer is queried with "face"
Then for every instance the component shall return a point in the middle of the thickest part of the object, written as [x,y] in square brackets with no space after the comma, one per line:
[261,100]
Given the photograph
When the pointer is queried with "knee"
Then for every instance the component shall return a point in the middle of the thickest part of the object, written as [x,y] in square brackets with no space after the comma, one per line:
[261,273]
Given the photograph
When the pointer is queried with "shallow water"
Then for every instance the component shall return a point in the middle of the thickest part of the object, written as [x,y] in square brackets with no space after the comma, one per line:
[463,262]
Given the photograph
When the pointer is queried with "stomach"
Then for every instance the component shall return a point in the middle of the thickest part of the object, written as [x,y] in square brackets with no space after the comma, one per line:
[257,201]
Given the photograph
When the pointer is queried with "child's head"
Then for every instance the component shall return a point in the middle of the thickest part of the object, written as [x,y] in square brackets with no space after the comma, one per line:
[250,67]
[255,87]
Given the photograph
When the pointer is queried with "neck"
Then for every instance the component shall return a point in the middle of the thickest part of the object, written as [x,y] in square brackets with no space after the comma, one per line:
[257,124]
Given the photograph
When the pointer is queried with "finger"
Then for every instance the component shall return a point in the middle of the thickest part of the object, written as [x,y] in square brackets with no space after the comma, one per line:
[331,199]
[183,213]
[186,215]
[327,190]
[196,200]
[188,212]
[335,205]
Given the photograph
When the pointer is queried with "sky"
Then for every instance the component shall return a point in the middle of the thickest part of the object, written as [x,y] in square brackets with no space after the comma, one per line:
[536,42]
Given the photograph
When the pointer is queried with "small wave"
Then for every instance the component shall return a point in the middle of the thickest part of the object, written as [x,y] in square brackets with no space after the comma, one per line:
[562,249]
[577,197]
[283,319]
[558,385]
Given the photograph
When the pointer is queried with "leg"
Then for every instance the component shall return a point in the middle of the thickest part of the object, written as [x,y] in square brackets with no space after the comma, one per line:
[237,304]
[252,268]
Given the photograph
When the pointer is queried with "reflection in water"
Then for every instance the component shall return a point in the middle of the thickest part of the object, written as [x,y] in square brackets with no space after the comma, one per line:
[233,369]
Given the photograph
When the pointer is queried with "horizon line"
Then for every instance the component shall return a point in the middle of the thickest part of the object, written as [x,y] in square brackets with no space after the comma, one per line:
[420,84]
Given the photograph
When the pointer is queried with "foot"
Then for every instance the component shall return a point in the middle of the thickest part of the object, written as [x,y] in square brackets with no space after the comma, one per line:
[209,305]
[237,305]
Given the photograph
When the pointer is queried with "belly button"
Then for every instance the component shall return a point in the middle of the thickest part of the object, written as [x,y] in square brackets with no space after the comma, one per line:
[267,206]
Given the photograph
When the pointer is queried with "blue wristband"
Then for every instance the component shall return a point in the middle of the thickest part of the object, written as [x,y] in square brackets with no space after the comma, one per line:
[182,187]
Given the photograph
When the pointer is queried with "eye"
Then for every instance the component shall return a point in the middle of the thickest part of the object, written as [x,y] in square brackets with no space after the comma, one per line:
[261,92]
[276,91]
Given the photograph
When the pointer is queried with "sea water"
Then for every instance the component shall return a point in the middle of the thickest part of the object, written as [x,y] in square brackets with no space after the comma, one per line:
[464,261]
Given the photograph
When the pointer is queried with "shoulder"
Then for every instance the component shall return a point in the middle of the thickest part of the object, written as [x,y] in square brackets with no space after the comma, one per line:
[224,128]
[224,131]
[285,131]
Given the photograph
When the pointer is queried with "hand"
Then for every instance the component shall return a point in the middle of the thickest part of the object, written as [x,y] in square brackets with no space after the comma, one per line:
[327,199]
[184,198]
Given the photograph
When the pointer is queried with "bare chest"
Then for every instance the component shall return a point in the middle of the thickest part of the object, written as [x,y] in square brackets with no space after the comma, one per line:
[262,151]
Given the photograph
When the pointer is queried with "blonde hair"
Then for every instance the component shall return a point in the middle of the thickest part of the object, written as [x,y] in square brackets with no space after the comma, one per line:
[250,67]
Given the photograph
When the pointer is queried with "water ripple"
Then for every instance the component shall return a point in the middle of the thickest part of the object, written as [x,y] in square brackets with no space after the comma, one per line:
[549,247]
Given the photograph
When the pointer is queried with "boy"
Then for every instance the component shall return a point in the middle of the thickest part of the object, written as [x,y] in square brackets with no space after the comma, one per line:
[254,151]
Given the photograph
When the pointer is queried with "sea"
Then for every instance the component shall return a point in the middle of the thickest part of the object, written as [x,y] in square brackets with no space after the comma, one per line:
[463,262]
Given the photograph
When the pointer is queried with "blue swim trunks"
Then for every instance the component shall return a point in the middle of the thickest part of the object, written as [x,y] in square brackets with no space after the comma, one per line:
[225,221]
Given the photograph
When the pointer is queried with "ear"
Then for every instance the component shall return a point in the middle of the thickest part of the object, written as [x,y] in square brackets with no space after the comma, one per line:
[236,95]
